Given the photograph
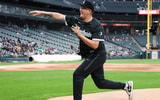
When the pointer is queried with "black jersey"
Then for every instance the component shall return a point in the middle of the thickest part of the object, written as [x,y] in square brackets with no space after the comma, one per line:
[92,30]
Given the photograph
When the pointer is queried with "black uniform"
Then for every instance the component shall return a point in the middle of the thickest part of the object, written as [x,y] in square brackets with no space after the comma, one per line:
[94,59]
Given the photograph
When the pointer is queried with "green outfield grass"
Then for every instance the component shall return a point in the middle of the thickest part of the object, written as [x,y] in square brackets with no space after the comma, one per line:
[40,85]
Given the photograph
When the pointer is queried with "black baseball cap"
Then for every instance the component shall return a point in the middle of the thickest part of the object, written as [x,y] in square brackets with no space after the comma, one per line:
[87,4]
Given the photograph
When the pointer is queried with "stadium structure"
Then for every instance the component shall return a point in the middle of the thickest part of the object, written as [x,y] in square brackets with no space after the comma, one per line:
[23,35]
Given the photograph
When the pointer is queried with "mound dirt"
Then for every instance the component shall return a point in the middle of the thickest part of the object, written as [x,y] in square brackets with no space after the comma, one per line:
[141,94]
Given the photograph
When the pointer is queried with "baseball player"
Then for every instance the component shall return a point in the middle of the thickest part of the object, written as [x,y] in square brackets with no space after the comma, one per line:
[91,34]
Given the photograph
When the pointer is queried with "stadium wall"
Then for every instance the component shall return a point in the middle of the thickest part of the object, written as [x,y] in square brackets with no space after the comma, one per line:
[155,54]
[14,59]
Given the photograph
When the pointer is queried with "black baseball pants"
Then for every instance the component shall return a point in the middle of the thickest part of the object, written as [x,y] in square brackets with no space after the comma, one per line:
[93,65]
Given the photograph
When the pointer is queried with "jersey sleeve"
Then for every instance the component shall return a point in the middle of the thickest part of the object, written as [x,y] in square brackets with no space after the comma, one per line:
[98,33]
[70,20]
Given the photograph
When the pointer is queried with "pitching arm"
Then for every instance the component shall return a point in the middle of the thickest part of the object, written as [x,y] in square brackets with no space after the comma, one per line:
[54,15]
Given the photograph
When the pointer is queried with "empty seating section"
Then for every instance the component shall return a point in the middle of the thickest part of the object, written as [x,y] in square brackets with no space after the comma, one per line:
[116,51]
[142,40]
[105,5]
[123,40]
[121,45]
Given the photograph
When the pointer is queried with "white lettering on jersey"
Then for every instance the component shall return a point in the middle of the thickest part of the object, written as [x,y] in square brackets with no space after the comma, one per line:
[87,34]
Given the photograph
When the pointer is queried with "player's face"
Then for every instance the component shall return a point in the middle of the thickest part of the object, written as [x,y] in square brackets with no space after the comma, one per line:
[84,12]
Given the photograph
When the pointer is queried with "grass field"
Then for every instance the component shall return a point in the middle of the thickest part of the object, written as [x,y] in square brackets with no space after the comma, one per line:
[40,85]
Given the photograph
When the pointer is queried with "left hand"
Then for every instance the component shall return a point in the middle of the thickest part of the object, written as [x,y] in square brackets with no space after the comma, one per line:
[91,43]
[76,29]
